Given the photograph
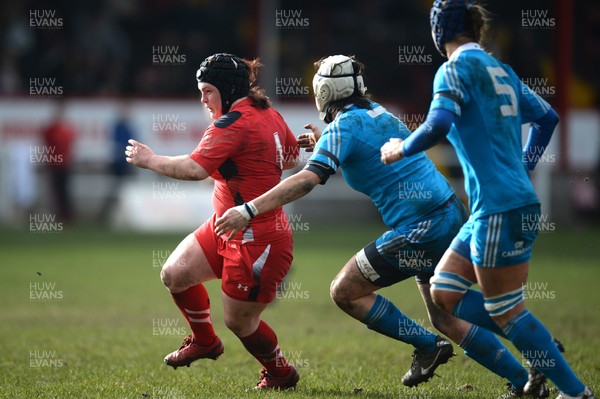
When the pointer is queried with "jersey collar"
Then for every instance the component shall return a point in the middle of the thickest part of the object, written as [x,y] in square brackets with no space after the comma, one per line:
[465,47]
[347,107]
[239,102]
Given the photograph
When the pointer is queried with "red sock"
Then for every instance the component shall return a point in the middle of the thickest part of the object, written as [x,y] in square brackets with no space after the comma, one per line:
[262,344]
[194,303]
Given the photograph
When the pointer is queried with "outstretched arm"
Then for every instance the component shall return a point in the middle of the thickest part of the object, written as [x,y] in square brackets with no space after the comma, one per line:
[435,128]
[288,190]
[180,167]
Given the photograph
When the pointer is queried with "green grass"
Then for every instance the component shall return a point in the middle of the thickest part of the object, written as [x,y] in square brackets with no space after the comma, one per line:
[98,341]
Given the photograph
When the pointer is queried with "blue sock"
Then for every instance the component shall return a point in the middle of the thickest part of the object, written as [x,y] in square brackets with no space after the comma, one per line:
[386,319]
[471,308]
[486,349]
[534,341]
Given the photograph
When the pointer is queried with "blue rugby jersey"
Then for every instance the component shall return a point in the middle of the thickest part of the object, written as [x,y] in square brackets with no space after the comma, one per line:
[405,191]
[491,104]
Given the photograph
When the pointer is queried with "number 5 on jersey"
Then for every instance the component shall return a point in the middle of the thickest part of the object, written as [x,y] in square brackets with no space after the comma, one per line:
[509,109]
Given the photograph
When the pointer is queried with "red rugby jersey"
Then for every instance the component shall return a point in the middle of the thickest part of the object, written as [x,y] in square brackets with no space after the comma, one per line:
[245,152]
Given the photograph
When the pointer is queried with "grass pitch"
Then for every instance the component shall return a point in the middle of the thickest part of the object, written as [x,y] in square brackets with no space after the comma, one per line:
[84,315]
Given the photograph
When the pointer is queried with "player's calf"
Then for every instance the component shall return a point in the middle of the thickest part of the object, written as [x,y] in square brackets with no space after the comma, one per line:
[445,323]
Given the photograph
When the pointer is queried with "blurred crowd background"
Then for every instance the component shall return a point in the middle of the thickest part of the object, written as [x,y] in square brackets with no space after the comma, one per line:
[104,49]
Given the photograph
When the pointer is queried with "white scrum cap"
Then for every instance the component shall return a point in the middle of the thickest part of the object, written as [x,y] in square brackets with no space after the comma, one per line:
[336,79]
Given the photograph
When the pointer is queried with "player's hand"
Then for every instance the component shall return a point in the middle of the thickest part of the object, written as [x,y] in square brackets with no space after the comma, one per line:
[309,140]
[391,151]
[138,154]
[232,221]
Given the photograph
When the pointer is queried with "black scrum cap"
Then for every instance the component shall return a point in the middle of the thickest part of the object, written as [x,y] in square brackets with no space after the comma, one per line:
[229,74]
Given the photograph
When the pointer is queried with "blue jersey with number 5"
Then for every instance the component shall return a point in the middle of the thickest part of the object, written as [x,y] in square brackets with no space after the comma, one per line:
[491,103]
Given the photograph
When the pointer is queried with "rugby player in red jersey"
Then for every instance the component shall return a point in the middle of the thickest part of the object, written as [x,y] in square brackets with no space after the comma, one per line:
[245,150]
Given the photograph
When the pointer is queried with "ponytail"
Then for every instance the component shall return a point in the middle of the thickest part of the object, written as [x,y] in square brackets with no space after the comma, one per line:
[256,95]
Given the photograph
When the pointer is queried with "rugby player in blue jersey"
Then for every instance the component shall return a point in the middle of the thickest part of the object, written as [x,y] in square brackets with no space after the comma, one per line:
[415,202]
[480,104]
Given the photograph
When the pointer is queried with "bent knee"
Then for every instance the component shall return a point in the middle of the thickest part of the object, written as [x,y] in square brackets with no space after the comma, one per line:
[173,278]
[333,289]
[446,300]
[241,326]
[337,291]
[166,277]
[448,288]
[339,295]
[233,324]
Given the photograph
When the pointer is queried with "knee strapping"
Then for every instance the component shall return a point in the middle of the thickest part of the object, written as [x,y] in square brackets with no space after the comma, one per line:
[498,305]
[446,281]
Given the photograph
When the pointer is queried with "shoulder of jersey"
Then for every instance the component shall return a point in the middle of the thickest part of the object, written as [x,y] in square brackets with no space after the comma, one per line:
[353,114]
[228,119]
